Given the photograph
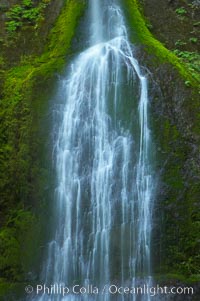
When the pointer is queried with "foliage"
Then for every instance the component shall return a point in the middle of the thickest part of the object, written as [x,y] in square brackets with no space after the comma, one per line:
[179,240]
[25,14]
[181,11]
[27,3]
[142,35]
[21,107]
[13,25]
[180,43]
[192,60]
[11,241]
[193,40]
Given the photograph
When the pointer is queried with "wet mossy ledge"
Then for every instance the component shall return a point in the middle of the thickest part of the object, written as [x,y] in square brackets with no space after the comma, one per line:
[23,176]
[175,119]
[140,34]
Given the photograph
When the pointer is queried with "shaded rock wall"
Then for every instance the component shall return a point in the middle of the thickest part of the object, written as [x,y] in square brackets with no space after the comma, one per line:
[25,178]
[175,123]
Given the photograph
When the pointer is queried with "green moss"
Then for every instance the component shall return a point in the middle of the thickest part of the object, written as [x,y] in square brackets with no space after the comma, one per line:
[60,40]
[12,241]
[179,168]
[25,13]
[174,277]
[22,176]
[192,61]
[142,35]
[17,250]
[180,218]
[54,57]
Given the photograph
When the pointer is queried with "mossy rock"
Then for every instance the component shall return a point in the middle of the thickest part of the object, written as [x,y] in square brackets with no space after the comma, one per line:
[25,95]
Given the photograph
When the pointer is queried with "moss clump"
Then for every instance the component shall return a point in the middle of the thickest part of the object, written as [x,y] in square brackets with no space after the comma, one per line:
[175,123]
[174,279]
[180,31]
[192,61]
[12,241]
[177,201]
[60,38]
[141,34]
[25,13]
[23,102]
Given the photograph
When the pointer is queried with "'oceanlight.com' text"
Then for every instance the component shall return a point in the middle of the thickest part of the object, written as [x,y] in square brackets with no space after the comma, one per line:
[112,289]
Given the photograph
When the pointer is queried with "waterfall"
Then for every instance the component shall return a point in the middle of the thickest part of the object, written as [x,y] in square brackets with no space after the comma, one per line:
[104,196]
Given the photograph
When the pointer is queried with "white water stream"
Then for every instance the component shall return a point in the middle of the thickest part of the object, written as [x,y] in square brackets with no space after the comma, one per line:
[103,200]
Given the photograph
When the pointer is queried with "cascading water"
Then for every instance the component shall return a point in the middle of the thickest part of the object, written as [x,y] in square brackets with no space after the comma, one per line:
[104,174]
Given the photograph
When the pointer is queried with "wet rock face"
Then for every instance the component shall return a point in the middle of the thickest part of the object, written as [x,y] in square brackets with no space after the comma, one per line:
[175,123]
[176,21]
[30,37]
[175,119]
[4,5]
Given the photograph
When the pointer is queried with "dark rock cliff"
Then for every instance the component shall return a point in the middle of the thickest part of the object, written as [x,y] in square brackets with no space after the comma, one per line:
[177,131]
[35,39]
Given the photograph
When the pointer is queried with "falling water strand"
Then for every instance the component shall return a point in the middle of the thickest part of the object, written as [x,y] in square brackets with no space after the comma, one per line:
[103,199]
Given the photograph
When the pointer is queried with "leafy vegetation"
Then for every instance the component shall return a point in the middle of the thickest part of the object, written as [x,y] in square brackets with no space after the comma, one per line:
[25,14]
[11,242]
[142,35]
[176,130]
[180,43]
[193,40]
[23,102]
[192,61]
[181,11]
